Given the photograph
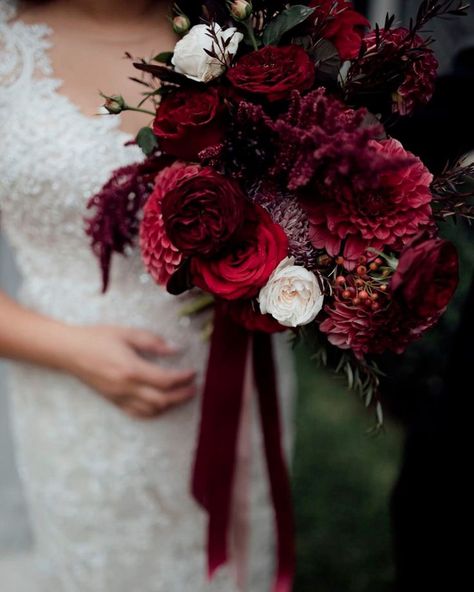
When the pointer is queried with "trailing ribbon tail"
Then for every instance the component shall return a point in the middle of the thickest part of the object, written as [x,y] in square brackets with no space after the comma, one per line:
[215,461]
[265,381]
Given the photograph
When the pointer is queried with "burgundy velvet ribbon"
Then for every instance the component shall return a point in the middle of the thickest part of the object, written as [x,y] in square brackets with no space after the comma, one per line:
[215,461]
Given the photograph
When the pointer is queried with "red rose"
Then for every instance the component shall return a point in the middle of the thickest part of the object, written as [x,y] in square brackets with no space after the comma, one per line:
[344,26]
[202,213]
[246,313]
[427,276]
[189,121]
[242,271]
[272,72]
[160,256]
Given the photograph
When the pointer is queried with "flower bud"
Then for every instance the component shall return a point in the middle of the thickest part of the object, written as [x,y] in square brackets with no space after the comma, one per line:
[181,24]
[114,104]
[240,9]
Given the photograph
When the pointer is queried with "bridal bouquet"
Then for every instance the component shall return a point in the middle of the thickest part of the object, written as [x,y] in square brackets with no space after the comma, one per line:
[272,185]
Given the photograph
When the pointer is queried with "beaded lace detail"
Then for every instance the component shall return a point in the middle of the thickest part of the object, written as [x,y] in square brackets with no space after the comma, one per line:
[108,495]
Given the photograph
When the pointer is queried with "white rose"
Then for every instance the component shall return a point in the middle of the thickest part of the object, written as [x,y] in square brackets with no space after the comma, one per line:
[190,59]
[292,295]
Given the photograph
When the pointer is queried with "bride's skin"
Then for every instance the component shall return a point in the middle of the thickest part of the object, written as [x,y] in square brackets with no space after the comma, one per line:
[90,37]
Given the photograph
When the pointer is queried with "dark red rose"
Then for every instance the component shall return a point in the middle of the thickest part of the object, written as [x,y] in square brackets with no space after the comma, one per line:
[189,121]
[202,213]
[242,271]
[272,72]
[344,26]
[427,276]
[246,313]
[160,256]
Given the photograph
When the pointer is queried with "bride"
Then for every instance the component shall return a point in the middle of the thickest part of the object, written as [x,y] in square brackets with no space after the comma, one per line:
[108,491]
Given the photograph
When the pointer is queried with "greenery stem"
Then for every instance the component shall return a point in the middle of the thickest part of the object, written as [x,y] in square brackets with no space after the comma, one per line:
[251,34]
[138,110]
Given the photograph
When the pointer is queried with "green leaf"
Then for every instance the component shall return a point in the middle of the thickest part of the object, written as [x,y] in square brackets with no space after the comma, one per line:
[164,57]
[147,141]
[284,22]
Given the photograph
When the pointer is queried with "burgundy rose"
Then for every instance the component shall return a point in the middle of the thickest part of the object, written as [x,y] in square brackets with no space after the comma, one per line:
[427,276]
[272,72]
[189,121]
[243,270]
[160,256]
[348,221]
[246,313]
[203,212]
[343,26]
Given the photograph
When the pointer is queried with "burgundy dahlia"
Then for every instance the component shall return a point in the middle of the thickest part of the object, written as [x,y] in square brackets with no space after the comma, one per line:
[387,215]
[160,256]
[366,330]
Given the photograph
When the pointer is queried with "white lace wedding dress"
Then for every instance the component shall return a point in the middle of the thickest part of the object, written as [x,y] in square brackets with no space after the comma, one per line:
[108,496]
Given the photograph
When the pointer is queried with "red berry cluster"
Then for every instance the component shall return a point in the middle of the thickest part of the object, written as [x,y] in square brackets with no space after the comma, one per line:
[367,286]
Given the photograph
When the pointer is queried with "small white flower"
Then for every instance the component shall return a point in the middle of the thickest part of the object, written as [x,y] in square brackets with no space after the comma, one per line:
[292,295]
[190,59]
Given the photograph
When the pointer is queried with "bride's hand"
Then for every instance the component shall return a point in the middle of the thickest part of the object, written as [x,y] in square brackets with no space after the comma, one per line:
[107,358]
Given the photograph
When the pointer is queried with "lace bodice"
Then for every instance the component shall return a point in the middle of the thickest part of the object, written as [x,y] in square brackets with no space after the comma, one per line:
[108,495]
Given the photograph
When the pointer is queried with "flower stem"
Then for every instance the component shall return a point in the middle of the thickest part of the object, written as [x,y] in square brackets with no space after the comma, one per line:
[251,34]
[138,110]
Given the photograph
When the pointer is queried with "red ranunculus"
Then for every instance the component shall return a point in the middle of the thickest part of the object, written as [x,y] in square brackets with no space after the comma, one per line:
[203,213]
[427,276]
[344,26]
[189,121]
[272,73]
[246,313]
[243,270]
[159,254]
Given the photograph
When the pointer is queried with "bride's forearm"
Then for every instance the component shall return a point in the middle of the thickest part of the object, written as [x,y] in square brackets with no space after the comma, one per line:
[28,336]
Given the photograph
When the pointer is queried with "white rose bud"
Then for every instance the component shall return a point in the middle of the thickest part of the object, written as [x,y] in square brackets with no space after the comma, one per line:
[292,295]
[190,58]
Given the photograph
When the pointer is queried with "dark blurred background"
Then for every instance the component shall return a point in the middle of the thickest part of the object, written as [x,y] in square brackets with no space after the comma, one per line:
[386,513]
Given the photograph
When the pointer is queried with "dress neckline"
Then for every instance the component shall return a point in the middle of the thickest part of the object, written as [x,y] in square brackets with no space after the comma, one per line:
[102,120]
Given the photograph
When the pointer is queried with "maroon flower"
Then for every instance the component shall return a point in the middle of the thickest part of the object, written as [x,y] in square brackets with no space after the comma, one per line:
[243,270]
[426,277]
[246,313]
[343,26]
[387,215]
[160,256]
[367,331]
[416,61]
[189,121]
[272,73]
[202,213]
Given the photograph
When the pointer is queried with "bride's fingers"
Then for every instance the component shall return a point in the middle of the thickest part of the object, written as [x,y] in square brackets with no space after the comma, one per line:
[137,408]
[161,378]
[146,341]
[164,400]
